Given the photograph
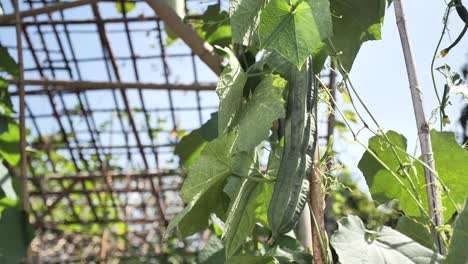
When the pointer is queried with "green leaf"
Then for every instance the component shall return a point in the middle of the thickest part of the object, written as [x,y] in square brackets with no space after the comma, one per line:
[191,145]
[6,184]
[245,16]
[7,63]
[450,163]
[355,22]
[216,28]
[125,7]
[295,28]
[251,260]
[213,252]
[382,184]
[17,233]
[195,216]
[416,231]
[213,166]
[230,89]
[350,115]
[355,244]
[457,252]
[289,250]
[241,217]
[265,106]
[203,188]
[9,143]
[6,106]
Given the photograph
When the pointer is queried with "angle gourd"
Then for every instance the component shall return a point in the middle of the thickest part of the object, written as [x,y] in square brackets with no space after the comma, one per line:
[291,188]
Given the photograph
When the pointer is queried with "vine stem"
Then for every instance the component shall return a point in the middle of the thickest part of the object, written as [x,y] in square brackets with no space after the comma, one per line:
[435,210]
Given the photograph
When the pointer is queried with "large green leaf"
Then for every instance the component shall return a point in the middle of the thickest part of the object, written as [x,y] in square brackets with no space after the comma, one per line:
[6,184]
[215,28]
[7,63]
[230,90]
[289,250]
[382,184]
[251,260]
[355,22]
[6,106]
[195,216]
[203,188]
[9,143]
[265,106]
[416,231]
[191,145]
[295,28]
[16,234]
[450,162]
[241,216]
[355,244]
[213,166]
[457,252]
[245,16]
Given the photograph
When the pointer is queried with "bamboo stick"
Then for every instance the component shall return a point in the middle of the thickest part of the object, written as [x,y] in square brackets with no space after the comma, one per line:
[433,197]
[79,86]
[9,19]
[200,47]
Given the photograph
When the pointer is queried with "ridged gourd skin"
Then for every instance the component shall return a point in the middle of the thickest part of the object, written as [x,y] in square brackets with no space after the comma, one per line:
[291,188]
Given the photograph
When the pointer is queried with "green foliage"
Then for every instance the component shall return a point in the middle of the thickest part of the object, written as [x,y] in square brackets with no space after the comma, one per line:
[191,145]
[7,63]
[125,7]
[355,22]
[230,90]
[295,28]
[384,186]
[15,237]
[215,28]
[245,16]
[289,250]
[241,218]
[203,188]
[416,231]
[9,143]
[355,244]
[457,252]
[265,106]
[451,164]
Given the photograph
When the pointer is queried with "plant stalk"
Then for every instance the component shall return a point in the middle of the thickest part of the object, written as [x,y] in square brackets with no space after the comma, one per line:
[433,197]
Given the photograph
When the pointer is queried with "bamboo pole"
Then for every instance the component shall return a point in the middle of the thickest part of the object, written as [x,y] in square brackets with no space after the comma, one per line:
[79,86]
[200,47]
[22,125]
[9,19]
[433,197]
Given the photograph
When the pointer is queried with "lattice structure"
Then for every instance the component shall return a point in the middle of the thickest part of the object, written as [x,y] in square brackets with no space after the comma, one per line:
[106,102]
